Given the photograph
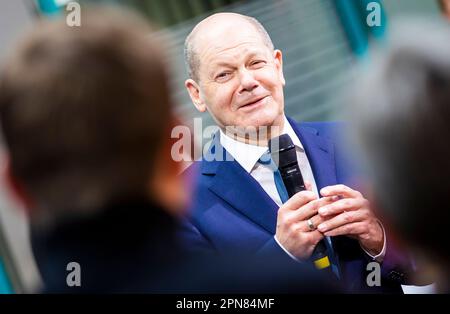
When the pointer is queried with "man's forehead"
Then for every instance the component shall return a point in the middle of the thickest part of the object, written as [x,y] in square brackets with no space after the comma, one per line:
[232,49]
[229,44]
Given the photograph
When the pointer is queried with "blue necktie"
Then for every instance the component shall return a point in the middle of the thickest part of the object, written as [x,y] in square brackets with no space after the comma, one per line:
[266,159]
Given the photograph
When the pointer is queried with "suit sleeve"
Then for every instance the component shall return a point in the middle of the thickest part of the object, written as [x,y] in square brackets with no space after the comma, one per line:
[272,249]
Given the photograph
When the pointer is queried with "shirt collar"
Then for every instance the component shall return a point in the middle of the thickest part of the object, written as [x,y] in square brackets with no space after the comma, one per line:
[248,155]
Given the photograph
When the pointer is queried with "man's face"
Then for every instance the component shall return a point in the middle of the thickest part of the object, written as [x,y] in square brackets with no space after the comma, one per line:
[240,78]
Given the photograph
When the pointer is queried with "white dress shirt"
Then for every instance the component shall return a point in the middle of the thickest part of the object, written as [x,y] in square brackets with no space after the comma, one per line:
[248,155]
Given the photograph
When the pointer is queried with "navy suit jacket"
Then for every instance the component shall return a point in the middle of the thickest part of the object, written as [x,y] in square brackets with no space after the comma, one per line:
[231,212]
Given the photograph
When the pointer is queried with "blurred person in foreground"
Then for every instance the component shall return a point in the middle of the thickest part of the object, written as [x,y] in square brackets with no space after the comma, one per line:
[401,114]
[445,7]
[86,118]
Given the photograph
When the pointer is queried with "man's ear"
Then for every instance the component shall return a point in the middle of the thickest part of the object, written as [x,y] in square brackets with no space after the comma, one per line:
[278,55]
[194,92]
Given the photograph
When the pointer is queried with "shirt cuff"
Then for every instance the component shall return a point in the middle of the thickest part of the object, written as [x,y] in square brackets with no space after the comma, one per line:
[379,257]
[286,251]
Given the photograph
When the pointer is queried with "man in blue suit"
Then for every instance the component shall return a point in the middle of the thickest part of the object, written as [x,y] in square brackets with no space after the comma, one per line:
[236,75]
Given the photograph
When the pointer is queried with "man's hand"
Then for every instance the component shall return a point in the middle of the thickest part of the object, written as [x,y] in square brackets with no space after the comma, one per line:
[293,232]
[351,215]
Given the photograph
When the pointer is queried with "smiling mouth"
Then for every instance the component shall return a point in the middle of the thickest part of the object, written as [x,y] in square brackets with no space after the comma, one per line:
[254,103]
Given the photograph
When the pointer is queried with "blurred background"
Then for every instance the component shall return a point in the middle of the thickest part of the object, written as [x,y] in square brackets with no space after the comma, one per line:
[322,41]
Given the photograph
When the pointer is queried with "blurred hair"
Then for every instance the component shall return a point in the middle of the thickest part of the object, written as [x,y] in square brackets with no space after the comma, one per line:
[401,110]
[192,61]
[83,110]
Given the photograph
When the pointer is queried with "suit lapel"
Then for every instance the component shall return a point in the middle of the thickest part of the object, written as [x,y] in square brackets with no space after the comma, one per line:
[320,153]
[234,185]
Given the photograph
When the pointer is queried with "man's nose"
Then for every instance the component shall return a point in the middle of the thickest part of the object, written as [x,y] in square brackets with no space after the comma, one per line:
[248,81]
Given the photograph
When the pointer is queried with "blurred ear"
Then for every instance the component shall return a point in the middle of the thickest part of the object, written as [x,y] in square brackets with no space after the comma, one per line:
[167,185]
[278,55]
[15,186]
[194,92]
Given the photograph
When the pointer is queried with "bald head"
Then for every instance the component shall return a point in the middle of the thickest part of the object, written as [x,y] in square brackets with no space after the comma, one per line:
[217,25]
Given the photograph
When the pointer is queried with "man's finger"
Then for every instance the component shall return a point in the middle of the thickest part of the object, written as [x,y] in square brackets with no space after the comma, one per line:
[310,209]
[345,204]
[354,228]
[340,189]
[343,219]
[298,200]
[315,220]
[308,185]
[314,237]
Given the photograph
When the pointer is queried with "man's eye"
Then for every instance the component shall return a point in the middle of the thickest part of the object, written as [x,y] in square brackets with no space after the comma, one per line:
[222,75]
[257,63]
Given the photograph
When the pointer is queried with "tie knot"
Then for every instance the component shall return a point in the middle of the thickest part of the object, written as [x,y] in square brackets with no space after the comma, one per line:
[266,159]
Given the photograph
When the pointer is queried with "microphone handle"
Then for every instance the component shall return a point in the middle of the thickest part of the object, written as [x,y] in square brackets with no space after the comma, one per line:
[293,181]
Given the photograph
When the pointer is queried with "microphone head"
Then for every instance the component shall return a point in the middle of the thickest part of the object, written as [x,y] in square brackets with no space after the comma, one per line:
[282,150]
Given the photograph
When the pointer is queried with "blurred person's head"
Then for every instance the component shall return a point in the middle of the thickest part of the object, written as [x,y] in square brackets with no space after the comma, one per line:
[445,6]
[235,73]
[402,118]
[86,116]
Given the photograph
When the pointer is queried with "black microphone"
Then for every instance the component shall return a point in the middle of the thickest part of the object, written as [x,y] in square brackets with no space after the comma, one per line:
[284,155]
